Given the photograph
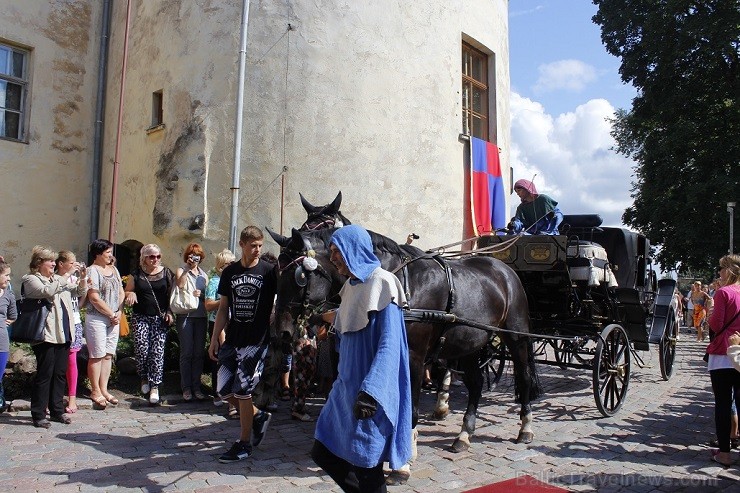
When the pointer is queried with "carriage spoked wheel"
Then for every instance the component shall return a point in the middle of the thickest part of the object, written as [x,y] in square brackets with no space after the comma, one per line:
[667,346]
[492,362]
[611,370]
[563,352]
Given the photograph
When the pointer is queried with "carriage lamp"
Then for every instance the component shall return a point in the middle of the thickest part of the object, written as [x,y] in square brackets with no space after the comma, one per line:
[731,210]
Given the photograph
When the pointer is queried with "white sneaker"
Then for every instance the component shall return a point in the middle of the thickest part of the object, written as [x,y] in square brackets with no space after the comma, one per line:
[145,387]
[154,396]
[217,401]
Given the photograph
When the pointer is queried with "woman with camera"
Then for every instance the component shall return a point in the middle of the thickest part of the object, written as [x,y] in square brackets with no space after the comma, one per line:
[67,264]
[148,291]
[191,327]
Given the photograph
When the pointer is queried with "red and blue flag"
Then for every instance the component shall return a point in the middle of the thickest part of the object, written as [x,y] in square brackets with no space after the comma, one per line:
[486,188]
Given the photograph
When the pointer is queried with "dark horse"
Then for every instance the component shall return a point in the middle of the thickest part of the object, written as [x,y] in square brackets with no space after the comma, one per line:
[323,216]
[491,295]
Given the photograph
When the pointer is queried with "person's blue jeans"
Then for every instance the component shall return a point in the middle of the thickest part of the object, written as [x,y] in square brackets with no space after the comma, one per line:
[3,362]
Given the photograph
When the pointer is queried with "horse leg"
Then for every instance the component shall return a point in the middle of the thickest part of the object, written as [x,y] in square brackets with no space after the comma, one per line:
[473,380]
[401,476]
[442,406]
[526,435]
[416,364]
[526,385]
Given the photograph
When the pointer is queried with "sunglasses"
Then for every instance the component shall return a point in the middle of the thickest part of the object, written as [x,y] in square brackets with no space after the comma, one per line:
[154,256]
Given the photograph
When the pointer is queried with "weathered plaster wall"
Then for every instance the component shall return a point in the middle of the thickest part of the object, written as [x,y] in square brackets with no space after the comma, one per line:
[362,97]
[45,184]
[186,50]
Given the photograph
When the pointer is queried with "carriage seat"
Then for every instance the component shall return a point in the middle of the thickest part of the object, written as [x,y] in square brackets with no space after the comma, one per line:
[581,221]
[587,261]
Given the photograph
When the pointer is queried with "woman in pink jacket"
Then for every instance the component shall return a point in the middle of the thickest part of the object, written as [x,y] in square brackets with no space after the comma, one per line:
[724,322]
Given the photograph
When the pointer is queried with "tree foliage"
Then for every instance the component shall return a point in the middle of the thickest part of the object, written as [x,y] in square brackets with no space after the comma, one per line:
[683,129]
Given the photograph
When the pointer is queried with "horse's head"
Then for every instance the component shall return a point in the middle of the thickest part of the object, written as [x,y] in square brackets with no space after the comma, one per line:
[324,216]
[308,281]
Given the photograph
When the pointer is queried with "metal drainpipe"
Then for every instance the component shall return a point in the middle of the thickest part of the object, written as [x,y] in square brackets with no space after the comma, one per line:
[99,125]
[238,129]
[114,187]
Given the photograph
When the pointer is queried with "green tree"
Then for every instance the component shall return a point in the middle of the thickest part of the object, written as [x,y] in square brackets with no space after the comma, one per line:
[683,129]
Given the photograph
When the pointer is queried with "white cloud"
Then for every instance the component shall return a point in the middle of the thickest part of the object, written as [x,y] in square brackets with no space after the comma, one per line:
[572,156]
[569,75]
[518,13]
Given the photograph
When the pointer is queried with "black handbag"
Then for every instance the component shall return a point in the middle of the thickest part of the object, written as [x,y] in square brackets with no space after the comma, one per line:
[31,322]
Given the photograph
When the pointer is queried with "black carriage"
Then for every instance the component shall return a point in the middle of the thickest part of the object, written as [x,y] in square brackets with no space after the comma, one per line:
[594,302]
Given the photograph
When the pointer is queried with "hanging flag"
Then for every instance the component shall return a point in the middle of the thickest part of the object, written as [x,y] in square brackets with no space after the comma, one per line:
[486,188]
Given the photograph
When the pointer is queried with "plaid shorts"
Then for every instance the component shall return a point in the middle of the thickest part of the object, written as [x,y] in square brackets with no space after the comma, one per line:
[240,370]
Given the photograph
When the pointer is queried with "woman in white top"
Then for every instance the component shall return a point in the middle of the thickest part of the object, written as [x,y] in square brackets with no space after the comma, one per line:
[104,311]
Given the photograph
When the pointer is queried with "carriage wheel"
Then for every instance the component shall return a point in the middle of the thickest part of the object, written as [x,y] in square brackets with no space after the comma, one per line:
[494,358]
[667,346]
[563,353]
[611,370]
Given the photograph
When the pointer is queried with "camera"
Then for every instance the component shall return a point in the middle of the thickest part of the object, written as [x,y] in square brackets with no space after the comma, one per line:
[194,258]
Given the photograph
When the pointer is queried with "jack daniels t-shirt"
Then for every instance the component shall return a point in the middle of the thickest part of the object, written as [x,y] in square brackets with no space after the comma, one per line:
[251,294]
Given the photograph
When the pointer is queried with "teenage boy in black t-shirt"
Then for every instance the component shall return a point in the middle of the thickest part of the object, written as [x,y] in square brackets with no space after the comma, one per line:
[247,290]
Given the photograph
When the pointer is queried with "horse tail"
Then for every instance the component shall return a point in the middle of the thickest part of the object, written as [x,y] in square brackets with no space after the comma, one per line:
[526,379]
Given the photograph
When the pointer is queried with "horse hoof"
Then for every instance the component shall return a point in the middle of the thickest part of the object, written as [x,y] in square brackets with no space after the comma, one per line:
[396,478]
[440,415]
[459,446]
[525,437]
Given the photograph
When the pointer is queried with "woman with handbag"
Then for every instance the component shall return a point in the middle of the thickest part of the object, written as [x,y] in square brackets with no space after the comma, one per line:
[192,324]
[51,354]
[104,311]
[67,264]
[148,291]
[7,316]
[723,322]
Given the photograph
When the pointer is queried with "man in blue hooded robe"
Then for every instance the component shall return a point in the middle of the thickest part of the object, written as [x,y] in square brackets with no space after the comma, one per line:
[367,417]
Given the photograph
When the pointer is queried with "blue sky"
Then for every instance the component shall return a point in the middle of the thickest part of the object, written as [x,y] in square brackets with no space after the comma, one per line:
[564,88]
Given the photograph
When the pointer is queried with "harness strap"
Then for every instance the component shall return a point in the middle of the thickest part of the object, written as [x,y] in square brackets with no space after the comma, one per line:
[451,295]
[405,261]
[438,316]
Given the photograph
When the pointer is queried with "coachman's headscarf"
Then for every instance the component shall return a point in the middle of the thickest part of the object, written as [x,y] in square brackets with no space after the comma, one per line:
[528,186]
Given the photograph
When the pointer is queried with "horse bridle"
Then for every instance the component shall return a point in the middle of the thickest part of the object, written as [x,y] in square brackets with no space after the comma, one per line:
[302,277]
[321,221]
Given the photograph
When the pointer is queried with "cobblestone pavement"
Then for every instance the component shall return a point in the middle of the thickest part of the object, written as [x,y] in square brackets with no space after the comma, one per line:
[656,443]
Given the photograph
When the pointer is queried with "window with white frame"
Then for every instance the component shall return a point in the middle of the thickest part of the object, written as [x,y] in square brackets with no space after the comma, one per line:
[13,91]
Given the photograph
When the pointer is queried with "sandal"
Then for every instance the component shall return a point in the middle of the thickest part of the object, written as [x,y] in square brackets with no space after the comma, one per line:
[187,395]
[70,410]
[285,394]
[716,459]
[233,412]
[99,403]
[111,399]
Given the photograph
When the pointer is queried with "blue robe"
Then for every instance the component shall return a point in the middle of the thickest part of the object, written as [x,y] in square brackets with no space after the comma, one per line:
[374,360]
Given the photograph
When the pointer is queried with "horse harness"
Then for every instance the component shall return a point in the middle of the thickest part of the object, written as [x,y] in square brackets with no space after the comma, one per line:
[446,318]
[305,269]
